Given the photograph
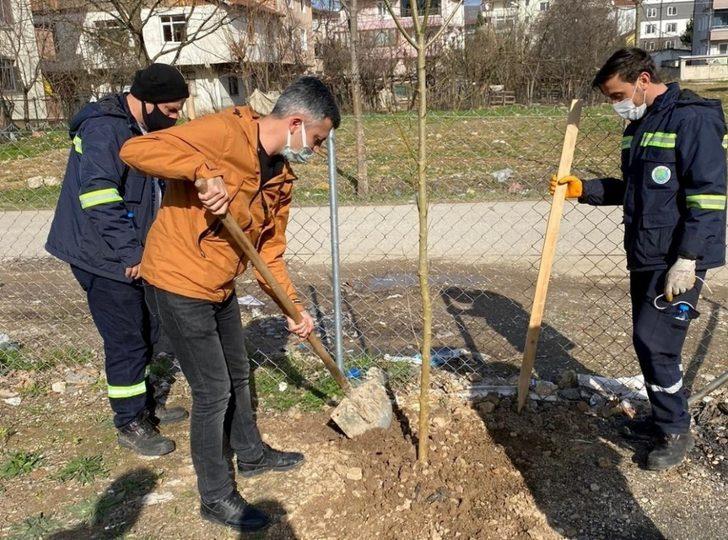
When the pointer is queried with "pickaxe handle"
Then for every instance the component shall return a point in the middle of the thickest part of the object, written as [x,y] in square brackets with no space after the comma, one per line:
[289,308]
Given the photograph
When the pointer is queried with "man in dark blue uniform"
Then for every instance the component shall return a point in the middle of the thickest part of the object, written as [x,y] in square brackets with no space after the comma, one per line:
[674,195]
[103,215]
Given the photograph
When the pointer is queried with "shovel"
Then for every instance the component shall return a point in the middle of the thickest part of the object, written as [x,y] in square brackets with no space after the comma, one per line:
[363,408]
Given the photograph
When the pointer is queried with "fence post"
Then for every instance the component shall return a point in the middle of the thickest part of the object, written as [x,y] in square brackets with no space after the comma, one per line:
[334,223]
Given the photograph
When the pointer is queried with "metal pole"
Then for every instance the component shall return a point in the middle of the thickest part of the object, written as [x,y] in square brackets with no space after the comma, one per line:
[335,279]
[715,384]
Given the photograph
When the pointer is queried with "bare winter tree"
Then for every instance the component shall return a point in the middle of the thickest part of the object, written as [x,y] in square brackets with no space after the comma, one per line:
[268,51]
[421,42]
[351,8]
[573,40]
[19,59]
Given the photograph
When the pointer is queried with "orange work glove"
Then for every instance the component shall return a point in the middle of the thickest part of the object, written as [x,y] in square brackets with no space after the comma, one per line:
[574,187]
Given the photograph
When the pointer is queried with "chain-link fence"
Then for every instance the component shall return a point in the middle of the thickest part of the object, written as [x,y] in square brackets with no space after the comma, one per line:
[488,174]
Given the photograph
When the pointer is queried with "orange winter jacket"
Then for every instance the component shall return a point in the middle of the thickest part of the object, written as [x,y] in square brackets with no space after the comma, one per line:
[188,251]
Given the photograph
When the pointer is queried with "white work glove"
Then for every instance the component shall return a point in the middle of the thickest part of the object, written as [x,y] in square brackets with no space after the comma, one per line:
[680,278]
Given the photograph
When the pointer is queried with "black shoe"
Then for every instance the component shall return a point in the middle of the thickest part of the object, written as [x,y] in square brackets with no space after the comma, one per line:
[164,415]
[233,511]
[141,436]
[640,430]
[670,451]
[271,460]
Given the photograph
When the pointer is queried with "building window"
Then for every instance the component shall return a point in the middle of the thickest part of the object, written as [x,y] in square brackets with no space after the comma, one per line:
[720,19]
[174,28]
[671,11]
[406,11]
[385,37]
[669,44]
[543,6]
[381,9]
[651,46]
[6,12]
[232,84]
[650,29]
[651,13]
[671,27]
[723,48]
[8,82]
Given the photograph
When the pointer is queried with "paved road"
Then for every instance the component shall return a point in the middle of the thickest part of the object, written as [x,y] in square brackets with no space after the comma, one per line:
[460,233]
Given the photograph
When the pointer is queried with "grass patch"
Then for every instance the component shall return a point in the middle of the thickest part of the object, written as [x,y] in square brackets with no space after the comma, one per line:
[28,146]
[298,385]
[20,463]
[279,392]
[35,527]
[19,360]
[83,469]
[34,390]
[29,199]
[14,360]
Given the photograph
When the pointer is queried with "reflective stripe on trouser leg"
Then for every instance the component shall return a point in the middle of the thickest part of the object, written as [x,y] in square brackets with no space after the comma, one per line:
[122,318]
[658,341]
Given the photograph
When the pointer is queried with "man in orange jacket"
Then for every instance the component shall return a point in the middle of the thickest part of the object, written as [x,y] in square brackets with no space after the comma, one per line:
[190,263]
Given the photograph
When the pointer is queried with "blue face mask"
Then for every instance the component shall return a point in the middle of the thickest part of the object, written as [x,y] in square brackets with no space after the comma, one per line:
[297,156]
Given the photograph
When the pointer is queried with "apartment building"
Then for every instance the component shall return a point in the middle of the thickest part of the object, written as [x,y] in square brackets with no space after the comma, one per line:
[663,23]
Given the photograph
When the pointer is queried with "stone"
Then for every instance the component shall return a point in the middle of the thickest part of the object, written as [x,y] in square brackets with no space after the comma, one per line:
[34,182]
[5,394]
[594,487]
[81,376]
[439,422]
[59,387]
[545,388]
[354,473]
[604,462]
[486,407]
[157,498]
[13,401]
[568,379]
[51,181]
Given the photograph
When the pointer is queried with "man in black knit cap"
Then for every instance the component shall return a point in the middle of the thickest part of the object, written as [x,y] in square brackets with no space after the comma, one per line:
[101,221]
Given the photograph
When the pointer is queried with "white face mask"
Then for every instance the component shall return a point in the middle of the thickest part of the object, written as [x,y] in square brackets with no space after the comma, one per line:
[628,110]
[297,156]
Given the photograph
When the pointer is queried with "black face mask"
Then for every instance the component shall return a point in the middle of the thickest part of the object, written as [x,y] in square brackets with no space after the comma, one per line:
[156,119]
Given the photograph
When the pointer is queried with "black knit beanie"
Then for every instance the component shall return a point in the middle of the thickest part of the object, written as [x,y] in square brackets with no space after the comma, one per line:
[159,83]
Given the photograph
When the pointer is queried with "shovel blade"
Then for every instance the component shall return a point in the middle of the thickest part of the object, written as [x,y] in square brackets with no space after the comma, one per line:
[367,406]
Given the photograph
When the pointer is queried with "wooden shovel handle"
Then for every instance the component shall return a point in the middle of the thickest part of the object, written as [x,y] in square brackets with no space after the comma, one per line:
[289,308]
[548,254]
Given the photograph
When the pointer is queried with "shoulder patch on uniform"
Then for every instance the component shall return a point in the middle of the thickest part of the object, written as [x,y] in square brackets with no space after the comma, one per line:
[661,174]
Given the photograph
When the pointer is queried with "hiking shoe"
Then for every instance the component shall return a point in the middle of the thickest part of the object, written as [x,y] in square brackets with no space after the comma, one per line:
[169,415]
[640,430]
[670,451]
[142,436]
[233,511]
[271,460]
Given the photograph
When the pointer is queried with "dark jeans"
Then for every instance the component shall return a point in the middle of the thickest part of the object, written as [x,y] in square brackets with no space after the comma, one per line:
[129,332]
[658,341]
[207,339]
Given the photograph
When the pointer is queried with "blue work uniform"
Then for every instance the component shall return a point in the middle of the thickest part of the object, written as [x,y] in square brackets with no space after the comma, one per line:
[673,190]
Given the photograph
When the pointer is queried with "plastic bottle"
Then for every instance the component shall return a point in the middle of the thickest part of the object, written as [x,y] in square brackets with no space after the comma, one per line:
[683,312]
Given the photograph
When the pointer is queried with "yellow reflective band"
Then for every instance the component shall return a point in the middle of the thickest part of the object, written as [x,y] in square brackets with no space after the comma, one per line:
[725,141]
[627,142]
[120,392]
[100,196]
[77,144]
[658,139]
[706,202]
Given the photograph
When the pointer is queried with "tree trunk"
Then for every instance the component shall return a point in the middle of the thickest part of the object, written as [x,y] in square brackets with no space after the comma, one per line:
[26,108]
[423,271]
[362,183]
